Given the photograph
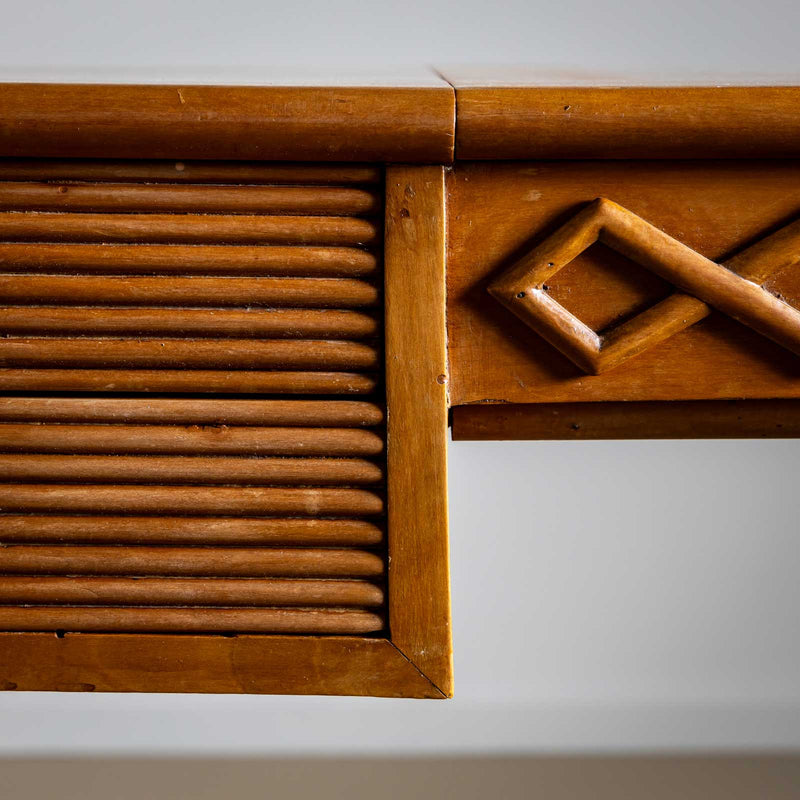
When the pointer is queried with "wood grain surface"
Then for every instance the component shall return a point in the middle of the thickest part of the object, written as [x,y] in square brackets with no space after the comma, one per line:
[416,390]
[719,209]
[566,122]
[688,419]
[269,123]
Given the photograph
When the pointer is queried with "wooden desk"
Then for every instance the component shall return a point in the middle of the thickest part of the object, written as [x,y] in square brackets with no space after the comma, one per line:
[237,320]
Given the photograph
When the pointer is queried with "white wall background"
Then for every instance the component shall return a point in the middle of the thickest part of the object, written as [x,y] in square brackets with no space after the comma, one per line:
[606,596]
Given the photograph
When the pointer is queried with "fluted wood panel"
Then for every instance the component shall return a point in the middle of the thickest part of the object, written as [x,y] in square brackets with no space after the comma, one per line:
[175,453]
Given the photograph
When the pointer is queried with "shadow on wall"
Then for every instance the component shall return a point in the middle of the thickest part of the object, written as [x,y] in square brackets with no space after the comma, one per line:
[766,777]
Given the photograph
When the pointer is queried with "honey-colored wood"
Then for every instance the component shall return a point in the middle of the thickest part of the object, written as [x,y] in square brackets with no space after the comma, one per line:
[243,501]
[191,440]
[264,123]
[416,389]
[693,419]
[75,529]
[503,122]
[189,353]
[296,200]
[252,664]
[523,289]
[245,323]
[170,291]
[191,620]
[204,381]
[186,229]
[165,410]
[74,590]
[243,172]
[500,212]
[26,468]
[254,562]
[179,259]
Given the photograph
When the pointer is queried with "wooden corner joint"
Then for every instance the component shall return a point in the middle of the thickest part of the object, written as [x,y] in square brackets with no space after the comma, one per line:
[734,287]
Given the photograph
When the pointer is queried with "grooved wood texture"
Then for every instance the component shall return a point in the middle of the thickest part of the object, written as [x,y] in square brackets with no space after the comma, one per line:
[176,454]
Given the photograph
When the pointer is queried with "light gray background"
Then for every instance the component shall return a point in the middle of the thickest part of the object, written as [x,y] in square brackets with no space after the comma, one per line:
[606,596]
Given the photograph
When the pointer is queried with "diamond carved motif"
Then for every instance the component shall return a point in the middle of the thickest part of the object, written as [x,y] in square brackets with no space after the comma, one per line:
[734,288]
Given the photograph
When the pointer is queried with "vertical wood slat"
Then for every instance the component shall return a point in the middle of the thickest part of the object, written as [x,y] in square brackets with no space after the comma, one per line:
[416,388]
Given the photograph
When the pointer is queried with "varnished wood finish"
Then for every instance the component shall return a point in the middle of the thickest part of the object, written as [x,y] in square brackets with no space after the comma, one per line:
[178,259]
[27,468]
[166,410]
[168,439]
[190,620]
[245,501]
[186,229]
[188,530]
[524,291]
[289,323]
[698,419]
[231,172]
[74,590]
[166,380]
[195,561]
[416,387]
[170,291]
[188,353]
[270,123]
[251,664]
[297,200]
[718,209]
[498,122]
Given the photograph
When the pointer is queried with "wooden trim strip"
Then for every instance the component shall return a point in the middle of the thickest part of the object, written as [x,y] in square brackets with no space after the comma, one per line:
[691,419]
[187,259]
[627,123]
[256,562]
[287,323]
[27,468]
[252,173]
[192,440]
[262,123]
[32,529]
[190,663]
[74,590]
[310,354]
[246,501]
[172,410]
[416,387]
[170,291]
[190,620]
[203,381]
[186,228]
[322,201]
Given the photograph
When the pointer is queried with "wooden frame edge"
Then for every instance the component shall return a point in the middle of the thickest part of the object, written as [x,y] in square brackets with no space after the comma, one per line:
[264,123]
[417,419]
[315,665]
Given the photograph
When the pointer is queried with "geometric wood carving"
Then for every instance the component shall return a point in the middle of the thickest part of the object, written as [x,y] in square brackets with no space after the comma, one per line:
[734,288]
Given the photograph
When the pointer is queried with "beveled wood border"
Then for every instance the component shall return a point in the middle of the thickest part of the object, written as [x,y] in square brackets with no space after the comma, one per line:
[417,419]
